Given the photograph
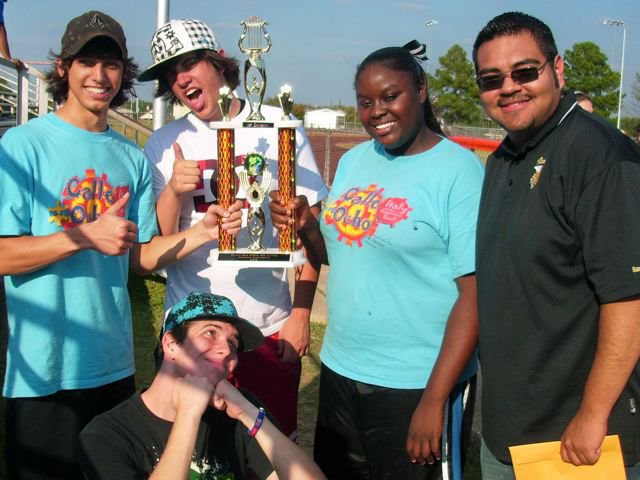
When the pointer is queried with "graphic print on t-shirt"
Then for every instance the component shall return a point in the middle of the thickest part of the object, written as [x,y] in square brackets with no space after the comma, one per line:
[201,469]
[84,199]
[206,191]
[358,212]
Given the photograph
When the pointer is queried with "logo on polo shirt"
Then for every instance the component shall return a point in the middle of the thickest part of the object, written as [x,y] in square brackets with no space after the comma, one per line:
[533,181]
[635,269]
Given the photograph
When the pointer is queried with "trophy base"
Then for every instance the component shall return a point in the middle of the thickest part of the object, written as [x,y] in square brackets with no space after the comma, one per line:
[268,258]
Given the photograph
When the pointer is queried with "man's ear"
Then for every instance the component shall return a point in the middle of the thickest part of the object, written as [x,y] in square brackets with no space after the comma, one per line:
[222,53]
[169,345]
[558,65]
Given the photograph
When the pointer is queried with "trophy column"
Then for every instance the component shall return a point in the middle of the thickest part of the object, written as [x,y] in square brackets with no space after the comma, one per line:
[226,173]
[226,182]
[287,238]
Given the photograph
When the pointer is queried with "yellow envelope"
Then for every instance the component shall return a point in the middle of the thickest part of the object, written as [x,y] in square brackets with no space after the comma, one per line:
[542,461]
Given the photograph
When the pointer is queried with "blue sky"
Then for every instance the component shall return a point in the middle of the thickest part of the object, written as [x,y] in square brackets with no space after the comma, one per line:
[317,44]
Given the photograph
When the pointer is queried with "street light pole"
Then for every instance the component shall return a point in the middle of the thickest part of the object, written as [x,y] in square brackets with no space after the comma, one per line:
[619,23]
[429,23]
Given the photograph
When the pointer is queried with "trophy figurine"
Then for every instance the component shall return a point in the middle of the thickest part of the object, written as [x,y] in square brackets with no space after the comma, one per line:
[254,166]
[257,42]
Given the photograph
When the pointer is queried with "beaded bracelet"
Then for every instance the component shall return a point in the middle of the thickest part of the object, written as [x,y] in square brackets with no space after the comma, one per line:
[256,426]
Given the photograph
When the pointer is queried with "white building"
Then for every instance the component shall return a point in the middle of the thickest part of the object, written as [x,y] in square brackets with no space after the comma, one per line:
[324,118]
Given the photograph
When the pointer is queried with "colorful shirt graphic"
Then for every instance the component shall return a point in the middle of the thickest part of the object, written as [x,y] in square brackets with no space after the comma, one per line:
[359,211]
[85,199]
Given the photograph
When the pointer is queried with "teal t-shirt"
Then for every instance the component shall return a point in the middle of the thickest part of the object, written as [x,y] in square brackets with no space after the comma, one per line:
[399,231]
[70,322]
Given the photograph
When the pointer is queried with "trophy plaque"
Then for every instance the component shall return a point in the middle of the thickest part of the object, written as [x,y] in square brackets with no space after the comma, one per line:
[253,176]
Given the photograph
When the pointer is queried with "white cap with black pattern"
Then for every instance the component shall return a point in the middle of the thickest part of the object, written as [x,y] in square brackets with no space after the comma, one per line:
[176,38]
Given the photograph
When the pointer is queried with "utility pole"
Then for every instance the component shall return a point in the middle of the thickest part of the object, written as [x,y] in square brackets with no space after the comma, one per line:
[429,24]
[619,23]
[159,104]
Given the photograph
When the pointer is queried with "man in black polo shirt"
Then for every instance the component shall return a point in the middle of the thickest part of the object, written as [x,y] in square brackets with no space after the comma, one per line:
[558,260]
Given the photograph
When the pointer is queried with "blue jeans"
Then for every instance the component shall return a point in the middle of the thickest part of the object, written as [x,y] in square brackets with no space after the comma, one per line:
[494,469]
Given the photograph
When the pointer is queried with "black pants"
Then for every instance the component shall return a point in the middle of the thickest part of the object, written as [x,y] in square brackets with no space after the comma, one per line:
[362,429]
[42,432]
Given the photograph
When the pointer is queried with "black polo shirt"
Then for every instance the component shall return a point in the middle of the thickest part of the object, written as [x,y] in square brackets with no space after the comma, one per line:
[558,234]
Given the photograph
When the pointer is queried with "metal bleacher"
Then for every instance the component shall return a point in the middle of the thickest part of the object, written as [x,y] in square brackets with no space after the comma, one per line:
[23,95]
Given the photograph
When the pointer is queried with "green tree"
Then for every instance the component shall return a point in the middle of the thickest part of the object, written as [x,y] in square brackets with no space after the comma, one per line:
[631,126]
[297,110]
[453,89]
[586,69]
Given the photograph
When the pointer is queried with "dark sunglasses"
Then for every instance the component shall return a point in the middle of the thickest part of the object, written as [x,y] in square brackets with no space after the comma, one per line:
[519,76]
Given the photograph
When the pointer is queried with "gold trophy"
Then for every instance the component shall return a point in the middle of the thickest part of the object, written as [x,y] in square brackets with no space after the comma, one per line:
[254,176]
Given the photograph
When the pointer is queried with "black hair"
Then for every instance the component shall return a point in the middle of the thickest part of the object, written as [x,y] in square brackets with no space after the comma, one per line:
[399,59]
[514,23]
[100,47]
[227,65]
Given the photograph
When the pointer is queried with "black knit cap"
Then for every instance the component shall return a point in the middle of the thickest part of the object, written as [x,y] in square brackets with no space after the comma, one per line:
[86,27]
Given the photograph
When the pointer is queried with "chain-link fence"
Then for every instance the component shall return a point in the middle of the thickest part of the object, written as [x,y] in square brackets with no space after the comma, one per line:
[329,145]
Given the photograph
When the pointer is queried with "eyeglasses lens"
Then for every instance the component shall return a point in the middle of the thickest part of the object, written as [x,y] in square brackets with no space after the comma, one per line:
[519,76]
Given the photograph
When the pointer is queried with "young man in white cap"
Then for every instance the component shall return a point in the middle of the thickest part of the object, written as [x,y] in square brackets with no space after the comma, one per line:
[191,68]
[76,207]
[191,422]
